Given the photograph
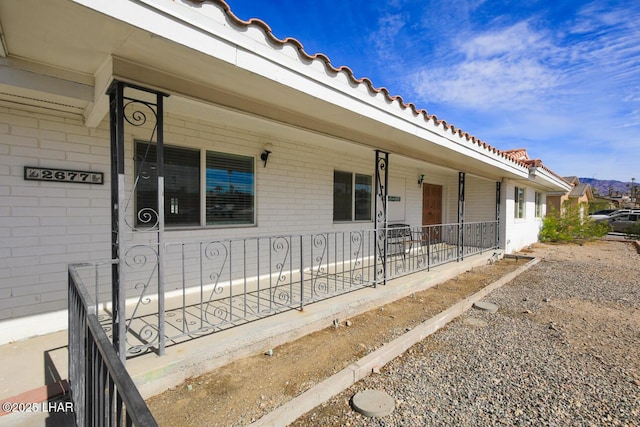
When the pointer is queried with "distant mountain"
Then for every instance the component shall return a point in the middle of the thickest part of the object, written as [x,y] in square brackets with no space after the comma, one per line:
[602,186]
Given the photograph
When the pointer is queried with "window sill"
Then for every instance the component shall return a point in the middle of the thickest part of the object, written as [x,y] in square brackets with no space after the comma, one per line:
[177,228]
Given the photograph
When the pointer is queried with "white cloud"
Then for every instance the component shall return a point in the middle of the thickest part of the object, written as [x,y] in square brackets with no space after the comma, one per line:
[508,68]
[568,90]
[512,42]
[389,26]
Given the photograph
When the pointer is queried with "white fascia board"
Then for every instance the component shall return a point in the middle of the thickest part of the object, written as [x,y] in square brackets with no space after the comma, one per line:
[24,78]
[205,29]
[171,20]
[549,181]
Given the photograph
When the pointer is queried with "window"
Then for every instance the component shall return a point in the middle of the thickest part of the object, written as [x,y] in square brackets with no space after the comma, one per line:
[229,189]
[229,180]
[351,196]
[519,202]
[538,205]
[181,185]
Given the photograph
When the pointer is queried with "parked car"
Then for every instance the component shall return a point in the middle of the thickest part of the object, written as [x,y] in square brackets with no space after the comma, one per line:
[622,222]
[598,216]
[602,212]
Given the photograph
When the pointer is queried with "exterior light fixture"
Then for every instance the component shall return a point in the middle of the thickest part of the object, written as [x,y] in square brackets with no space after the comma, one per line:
[265,153]
[420,180]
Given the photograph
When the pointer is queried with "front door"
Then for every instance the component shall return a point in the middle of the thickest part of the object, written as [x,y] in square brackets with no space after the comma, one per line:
[432,210]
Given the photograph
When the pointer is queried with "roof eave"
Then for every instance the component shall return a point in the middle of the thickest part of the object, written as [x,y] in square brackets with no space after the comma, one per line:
[548,179]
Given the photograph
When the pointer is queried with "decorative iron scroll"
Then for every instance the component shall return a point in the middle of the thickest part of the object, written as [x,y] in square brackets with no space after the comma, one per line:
[320,282]
[280,251]
[382,183]
[356,246]
[135,115]
[214,258]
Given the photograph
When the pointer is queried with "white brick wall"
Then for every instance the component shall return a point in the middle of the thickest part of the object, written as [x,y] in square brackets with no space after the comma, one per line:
[46,225]
[480,199]
[520,232]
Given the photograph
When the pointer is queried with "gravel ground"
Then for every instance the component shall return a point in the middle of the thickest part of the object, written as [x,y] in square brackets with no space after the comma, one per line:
[562,350]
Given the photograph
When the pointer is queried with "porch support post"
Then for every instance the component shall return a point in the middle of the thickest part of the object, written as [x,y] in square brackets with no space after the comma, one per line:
[498,202]
[380,220]
[161,204]
[116,107]
[461,181]
[123,221]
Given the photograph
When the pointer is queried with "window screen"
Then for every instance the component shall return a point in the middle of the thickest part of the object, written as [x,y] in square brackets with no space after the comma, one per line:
[342,191]
[181,185]
[230,189]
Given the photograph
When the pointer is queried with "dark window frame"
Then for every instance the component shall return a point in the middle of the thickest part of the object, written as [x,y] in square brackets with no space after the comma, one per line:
[352,197]
[520,203]
[187,201]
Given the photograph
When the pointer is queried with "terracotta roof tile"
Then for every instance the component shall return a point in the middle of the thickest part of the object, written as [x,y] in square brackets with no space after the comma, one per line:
[364,80]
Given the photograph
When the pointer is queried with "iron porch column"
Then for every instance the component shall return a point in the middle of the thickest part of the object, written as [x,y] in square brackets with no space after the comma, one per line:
[498,202]
[118,319]
[123,220]
[380,220]
[461,182]
[161,247]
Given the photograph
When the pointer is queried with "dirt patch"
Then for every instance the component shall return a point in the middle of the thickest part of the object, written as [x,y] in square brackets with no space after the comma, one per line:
[243,391]
[605,329]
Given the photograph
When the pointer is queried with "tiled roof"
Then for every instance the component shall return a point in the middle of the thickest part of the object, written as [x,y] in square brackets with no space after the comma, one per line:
[572,179]
[520,154]
[517,153]
[580,190]
[391,98]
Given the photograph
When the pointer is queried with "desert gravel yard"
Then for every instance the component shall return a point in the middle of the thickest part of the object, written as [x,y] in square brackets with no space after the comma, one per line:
[562,350]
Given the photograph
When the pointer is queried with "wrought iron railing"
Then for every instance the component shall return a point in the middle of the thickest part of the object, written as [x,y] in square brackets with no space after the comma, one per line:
[412,249]
[219,284]
[102,391]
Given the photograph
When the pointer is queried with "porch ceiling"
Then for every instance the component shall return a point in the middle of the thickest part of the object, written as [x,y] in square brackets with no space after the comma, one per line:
[61,42]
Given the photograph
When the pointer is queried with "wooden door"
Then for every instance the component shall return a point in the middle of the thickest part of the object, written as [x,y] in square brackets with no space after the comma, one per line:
[432,210]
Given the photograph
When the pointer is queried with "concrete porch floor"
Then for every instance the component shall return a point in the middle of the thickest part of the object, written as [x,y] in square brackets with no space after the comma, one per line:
[34,370]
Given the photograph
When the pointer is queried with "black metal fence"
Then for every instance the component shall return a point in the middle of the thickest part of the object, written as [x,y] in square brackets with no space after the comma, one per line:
[212,285]
[412,249]
[102,391]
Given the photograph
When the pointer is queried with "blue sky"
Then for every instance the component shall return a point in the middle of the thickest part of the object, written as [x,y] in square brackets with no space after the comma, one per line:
[560,78]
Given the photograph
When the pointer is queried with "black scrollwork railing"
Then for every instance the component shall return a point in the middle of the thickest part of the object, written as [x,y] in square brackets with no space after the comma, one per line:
[218,284]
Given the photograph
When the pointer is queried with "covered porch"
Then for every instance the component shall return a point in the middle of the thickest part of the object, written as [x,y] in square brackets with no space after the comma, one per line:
[169,283]
[219,246]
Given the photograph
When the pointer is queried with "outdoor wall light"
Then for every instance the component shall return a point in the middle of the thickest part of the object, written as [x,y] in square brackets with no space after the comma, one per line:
[420,180]
[265,153]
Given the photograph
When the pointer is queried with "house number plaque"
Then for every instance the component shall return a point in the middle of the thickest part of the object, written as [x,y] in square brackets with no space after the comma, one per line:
[63,175]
